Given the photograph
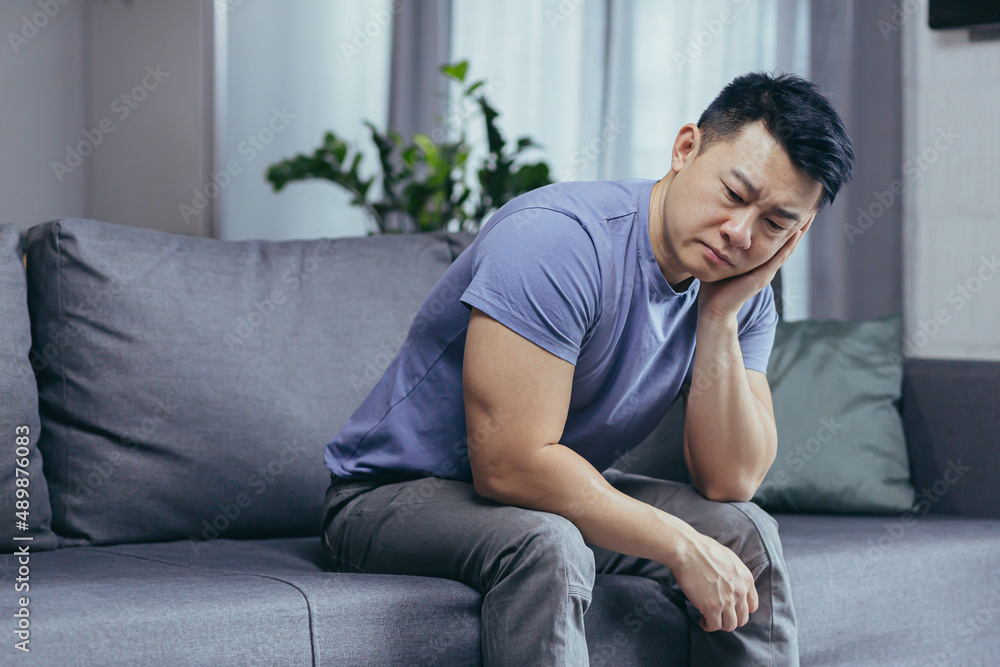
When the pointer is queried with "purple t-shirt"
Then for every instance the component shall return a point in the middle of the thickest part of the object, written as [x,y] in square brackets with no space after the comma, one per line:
[570,267]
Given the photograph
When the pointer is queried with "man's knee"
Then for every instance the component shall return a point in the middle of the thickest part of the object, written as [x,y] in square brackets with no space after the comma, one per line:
[748,530]
[764,521]
[562,532]
[762,529]
[555,539]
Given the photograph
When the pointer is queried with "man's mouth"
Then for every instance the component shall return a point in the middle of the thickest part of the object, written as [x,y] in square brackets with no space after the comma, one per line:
[716,256]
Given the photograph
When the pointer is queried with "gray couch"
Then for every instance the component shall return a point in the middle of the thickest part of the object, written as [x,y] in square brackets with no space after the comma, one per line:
[186,388]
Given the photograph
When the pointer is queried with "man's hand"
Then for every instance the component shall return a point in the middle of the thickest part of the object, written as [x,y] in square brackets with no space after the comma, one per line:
[717,583]
[724,298]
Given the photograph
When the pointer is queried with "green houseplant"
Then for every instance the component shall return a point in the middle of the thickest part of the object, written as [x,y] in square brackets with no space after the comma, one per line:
[426,183]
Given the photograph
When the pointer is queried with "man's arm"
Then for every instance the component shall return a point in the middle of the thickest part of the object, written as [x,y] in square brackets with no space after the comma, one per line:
[517,398]
[730,438]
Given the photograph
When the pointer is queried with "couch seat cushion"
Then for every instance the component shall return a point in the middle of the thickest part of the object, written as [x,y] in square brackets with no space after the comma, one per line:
[95,606]
[867,592]
[876,591]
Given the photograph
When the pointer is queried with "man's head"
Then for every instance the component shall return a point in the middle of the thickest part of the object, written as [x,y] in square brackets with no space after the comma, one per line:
[765,156]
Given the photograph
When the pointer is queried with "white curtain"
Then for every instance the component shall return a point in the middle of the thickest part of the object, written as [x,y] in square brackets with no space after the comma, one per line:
[326,63]
[605,85]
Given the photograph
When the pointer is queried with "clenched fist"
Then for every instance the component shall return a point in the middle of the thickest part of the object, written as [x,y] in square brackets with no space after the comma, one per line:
[716,582]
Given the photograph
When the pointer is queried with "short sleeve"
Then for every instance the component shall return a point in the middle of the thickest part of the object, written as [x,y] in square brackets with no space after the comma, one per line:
[759,320]
[539,276]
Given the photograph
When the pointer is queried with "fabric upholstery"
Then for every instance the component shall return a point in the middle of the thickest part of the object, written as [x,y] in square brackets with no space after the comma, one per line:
[886,591]
[868,591]
[350,619]
[842,448]
[951,412]
[355,619]
[836,388]
[19,410]
[132,317]
[188,386]
[91,606]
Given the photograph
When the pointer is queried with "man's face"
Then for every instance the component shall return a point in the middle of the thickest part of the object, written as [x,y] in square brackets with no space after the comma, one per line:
[738,198]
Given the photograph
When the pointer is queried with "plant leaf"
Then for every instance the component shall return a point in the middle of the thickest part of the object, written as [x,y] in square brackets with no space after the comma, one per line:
[456,70]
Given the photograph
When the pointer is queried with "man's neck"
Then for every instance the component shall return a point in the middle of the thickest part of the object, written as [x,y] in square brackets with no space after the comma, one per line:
[683,285]
[656,226]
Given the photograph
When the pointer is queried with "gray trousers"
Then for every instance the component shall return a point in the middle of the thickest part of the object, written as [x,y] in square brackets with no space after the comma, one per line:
[536,572]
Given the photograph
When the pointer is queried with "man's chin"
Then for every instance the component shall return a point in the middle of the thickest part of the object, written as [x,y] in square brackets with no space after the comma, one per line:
[713,274]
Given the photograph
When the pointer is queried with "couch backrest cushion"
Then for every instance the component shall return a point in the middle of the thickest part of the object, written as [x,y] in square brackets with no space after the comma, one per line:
[836,388]
[951,412]
[19,423]
[188,386]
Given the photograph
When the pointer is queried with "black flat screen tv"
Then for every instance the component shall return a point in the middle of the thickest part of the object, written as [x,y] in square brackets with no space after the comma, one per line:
[947,14]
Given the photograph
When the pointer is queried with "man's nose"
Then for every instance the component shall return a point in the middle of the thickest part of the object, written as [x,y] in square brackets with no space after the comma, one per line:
[738,228]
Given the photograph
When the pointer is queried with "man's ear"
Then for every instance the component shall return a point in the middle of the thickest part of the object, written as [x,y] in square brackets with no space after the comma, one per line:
[686,146]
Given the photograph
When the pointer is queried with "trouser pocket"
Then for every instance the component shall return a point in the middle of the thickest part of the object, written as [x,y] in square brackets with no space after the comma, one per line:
[339,495]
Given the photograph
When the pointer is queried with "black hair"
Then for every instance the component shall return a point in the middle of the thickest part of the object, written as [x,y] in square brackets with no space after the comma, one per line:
[796,114]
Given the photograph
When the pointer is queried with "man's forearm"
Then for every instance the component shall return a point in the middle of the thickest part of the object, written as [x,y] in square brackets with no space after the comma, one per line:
[730,444]
[560,481]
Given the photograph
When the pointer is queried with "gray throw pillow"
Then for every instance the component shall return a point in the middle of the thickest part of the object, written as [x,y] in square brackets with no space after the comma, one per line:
[836,388]
[19,422]
[187,387]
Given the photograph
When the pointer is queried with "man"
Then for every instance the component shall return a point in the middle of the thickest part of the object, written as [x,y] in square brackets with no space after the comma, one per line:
[555,343]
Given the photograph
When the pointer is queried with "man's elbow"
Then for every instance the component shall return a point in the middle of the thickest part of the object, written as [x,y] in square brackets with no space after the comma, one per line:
[503,489]
[737,488]
[730,493]
[485,484]
[721,489]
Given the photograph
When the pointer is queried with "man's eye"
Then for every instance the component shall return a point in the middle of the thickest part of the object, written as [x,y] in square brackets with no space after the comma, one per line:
[736,198]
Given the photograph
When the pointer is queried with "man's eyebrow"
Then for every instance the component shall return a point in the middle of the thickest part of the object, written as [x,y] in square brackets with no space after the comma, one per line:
[755,191]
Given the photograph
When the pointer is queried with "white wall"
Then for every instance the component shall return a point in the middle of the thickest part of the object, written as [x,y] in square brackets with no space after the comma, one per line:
[67,147]
[160,152]
[42,97]
[69,75]
[951,218]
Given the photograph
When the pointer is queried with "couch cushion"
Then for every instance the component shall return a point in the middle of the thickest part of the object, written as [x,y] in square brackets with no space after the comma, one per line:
[94,606]
[364,619]
[841,445]
[353,619]
[188,386]
[867,591]
[909,590]
[837,388]
[19,422]
[952,418]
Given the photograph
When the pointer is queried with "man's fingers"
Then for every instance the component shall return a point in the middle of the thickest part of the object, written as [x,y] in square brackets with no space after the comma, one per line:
[786,251]
[742,613]
[730,619]
[793,241]
[752,599]
[772,265]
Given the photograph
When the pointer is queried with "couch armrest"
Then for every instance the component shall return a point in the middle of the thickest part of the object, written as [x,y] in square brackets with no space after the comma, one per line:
[951,416]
